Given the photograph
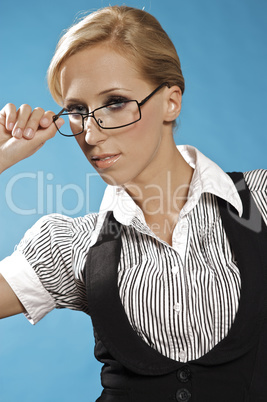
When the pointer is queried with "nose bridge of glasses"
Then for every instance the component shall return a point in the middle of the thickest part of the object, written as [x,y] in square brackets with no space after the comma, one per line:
[89,114]
[87,121]
[85,116]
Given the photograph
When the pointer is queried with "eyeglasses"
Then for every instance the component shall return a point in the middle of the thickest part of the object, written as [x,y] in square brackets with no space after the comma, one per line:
[117,114]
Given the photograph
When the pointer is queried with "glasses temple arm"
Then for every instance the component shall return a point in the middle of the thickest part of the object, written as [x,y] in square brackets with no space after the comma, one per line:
[57,116]
[156,90]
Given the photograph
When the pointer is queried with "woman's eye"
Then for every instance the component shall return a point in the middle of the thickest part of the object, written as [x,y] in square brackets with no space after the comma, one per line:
[116,104]
[76,109]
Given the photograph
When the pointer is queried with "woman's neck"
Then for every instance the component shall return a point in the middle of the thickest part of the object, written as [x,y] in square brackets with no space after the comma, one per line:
[165,193]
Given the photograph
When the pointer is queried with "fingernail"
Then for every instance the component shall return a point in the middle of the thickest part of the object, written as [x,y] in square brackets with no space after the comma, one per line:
[60,123]
[44,121]
[18,133]
[10,126]
[28,133]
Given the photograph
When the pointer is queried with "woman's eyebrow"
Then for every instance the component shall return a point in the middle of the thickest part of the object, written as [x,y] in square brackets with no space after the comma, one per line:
[113,89]
[73,100]
[106,91]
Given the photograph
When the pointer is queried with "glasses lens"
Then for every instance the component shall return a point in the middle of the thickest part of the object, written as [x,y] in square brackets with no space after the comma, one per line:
[73,125]
[114,115]
[118,114]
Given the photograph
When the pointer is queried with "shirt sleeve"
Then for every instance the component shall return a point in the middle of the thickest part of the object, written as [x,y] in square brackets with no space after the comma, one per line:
[257,183]
[40,271]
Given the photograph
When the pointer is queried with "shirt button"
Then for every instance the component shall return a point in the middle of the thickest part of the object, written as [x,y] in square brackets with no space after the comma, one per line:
[184,227]
[175,269]
[190,333]
[177,307]
[183,395]
[182,356]
[184,374]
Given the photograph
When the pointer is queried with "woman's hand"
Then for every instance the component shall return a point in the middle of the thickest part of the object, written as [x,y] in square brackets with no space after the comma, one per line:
[23,132]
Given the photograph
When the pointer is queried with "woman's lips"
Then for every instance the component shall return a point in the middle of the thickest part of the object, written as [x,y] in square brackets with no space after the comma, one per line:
[105,161]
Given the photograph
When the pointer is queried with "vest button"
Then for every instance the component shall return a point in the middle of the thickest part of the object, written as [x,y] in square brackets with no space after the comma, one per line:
[183,395]
[184,374]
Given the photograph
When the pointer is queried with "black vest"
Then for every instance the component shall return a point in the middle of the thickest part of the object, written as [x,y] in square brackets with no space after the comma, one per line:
[235,370]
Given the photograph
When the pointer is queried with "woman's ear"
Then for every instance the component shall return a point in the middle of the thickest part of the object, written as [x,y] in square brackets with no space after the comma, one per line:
[173,103]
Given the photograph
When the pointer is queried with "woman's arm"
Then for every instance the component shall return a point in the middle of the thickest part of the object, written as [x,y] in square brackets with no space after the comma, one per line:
[22,133]
[9,303]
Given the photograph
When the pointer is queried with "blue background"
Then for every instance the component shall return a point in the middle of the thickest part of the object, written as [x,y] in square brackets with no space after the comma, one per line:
[222,46]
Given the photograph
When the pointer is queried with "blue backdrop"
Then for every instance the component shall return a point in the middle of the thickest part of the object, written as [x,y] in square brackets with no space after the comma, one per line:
[222,46]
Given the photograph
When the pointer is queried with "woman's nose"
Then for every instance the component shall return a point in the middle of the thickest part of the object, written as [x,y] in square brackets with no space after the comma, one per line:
[93,133]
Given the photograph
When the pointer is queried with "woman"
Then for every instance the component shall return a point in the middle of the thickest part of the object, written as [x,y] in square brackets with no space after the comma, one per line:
[160,268]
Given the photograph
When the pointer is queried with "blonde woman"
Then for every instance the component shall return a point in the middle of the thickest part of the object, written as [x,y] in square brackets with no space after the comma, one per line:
[159,269]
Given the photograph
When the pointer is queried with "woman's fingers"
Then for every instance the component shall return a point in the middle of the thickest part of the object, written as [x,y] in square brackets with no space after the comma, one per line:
[47,119]
[40,120]
[47,128]
[23,115]
[32,123]
[9,116]
[23,132]
[25,122]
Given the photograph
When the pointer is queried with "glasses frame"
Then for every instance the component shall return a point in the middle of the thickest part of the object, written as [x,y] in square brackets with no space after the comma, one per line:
[92,114]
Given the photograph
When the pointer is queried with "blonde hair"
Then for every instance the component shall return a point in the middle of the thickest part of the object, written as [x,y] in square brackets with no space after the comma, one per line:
[134,33]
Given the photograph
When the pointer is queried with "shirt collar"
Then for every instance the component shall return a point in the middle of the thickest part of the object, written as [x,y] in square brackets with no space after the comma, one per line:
[207,177]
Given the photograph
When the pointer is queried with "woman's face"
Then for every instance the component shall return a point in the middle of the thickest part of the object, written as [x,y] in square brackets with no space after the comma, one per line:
[130,155]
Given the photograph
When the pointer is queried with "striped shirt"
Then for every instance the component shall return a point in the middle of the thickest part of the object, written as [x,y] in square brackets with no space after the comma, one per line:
[181,299]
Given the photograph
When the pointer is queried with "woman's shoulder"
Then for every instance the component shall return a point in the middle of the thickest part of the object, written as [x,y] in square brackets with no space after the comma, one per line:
[59,227]
[59,219]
